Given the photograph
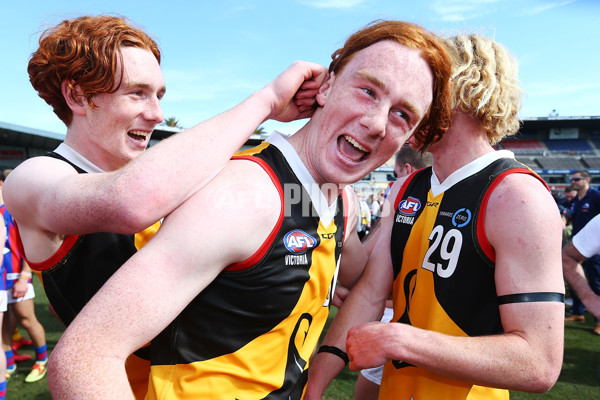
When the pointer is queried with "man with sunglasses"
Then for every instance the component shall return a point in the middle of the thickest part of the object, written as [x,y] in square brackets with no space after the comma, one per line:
[585,206]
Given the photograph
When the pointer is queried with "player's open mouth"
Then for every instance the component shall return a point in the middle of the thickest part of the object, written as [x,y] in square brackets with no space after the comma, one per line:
[138,135]
[351,149]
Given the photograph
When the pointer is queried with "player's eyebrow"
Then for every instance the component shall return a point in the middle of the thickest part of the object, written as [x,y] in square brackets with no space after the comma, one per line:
[380,84]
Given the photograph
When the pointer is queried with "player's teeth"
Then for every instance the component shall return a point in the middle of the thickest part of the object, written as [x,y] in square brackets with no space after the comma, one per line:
[355,144]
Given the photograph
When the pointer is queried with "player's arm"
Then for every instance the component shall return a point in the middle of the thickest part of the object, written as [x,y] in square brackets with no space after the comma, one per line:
[50,197]
[574,275]
[193,245]
[20,285]
[364,303]
[354,257]
[528,355]
[584,244]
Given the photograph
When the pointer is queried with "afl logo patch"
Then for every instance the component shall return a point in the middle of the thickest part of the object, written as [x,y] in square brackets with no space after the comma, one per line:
[409,206]
[298,241]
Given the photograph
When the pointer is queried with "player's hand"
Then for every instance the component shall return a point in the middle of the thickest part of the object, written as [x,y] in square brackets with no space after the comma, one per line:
[339,295]
[19,289]
[365,345]
[294,91]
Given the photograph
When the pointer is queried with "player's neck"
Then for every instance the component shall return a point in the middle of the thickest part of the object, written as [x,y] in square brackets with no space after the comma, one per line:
[464,142]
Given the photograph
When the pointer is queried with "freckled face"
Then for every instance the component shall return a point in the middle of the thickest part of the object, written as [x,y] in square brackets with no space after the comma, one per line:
[121,125]
[368,111]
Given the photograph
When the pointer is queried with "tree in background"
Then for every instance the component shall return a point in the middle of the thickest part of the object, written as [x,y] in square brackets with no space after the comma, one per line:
[171,121]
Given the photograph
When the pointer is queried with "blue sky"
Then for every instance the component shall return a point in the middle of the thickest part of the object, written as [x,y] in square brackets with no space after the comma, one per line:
[216,53]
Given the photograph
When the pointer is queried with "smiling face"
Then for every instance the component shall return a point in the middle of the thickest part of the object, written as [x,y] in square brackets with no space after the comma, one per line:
[368,111]
[119,128]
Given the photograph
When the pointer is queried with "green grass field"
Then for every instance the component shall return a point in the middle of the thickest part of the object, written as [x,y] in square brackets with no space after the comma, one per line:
[578,379]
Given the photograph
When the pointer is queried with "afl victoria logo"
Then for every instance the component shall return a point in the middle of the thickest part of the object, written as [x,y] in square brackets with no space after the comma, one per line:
[298,241]
[409,206]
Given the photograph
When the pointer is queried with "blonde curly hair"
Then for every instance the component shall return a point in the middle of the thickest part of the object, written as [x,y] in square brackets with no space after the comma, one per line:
[485,84]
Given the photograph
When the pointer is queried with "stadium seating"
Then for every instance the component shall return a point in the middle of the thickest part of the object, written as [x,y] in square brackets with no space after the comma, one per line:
[524,146]
[570,146]
[557,162]
[592,162]
[529,161]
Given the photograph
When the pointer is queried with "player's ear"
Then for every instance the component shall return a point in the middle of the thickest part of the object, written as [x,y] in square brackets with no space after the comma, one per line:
[325,89]
[73,96]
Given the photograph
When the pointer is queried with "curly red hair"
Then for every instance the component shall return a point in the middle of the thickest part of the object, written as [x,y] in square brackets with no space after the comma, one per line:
[84,52]
[437,120]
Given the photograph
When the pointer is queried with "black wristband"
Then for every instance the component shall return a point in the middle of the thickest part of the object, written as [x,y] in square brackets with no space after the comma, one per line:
[531,297]
[335,351]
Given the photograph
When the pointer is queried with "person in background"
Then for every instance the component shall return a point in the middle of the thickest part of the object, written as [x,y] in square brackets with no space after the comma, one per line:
[3,307]
[476,280]
[584,207]
[19,341]
[569,194]
[239,311]
[375,208]
[81,209]
[583,245]
[364,217]
[408,160]
[20,295]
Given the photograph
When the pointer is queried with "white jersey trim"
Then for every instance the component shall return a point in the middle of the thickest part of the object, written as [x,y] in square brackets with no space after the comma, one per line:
[326,212]
[67,152]
[466,171]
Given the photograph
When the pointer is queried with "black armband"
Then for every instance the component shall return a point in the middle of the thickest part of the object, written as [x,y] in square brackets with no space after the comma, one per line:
[533,297]
[335,351]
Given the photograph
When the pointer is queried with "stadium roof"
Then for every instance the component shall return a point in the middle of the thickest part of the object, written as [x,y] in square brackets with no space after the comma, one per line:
[22,136]
[585,122]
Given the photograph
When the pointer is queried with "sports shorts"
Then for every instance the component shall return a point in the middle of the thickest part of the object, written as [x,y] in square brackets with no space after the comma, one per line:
[374,374]
[30,294]
[3,303]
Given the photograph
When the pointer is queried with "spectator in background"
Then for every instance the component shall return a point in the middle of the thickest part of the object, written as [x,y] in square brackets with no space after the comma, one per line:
[364,218]
[564,203]
[3,309]
[569,195]
[409,160]
[585,244]
[20,295]
[375,208]
[584,207]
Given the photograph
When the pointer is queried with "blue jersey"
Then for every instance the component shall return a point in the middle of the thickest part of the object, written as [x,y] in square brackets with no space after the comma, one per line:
[583,210]
[12,263]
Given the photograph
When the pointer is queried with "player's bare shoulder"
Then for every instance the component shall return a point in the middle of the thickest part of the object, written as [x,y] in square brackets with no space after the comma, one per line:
[521,202]
[32,179]
[522,189]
